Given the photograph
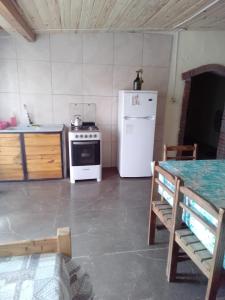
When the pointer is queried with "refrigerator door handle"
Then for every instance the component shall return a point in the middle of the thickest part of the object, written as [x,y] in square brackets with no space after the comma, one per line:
[145,118]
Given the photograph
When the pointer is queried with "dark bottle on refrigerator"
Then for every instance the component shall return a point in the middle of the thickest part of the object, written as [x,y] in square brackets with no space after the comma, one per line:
[137,82]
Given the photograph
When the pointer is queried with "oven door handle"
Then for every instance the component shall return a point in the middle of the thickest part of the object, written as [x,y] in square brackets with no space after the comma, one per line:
[85,143]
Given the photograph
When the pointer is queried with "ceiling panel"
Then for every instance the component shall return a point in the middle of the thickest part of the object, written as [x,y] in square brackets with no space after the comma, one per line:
[211,18]
[145,15]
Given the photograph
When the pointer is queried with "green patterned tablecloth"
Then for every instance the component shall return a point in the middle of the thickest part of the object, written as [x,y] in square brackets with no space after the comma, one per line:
[206,178]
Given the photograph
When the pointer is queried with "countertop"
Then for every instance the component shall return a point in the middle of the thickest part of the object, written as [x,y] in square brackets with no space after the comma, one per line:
[34,128]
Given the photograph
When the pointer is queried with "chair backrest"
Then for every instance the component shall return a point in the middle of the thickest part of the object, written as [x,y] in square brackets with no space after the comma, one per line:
[166,182]
[203,204]
[218,230]
[165,187]
[180,152]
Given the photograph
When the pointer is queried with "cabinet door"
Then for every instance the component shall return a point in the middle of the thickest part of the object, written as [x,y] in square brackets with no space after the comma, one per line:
[11,167]
[43,155]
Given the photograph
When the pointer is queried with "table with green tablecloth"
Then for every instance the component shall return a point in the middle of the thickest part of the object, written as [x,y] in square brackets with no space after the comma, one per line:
[207,179]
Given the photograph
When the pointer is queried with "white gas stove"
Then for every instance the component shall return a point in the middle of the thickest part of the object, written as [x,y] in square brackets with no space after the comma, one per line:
[85,152]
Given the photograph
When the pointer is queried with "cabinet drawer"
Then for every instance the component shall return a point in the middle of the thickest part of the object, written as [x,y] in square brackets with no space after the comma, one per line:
[10,157]
[37,163]
[11,173]
[9,140]
[45,174]
[10,151]
[43,150]
[41,167]
[42,144]
[43,156]
[42,139]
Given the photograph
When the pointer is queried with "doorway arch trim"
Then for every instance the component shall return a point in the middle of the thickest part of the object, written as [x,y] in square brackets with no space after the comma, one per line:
[187,76]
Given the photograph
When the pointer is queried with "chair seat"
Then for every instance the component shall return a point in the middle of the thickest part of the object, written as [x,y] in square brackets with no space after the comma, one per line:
[164,212]
[195,249]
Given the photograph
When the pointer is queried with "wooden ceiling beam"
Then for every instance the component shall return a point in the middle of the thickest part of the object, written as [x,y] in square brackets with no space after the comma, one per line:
[12,16]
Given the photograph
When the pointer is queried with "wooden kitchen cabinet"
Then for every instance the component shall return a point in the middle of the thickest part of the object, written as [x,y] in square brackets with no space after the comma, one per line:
[43,155]
[30,155]
[11,165]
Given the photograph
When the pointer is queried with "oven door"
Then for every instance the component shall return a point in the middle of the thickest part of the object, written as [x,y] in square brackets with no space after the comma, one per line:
[85,153]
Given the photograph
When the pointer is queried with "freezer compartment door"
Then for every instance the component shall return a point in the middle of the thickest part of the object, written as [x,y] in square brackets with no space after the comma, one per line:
[139,104]
[137,144]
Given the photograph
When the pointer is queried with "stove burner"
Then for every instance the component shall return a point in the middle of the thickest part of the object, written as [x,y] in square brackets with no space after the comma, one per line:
[75,128]
[84,128]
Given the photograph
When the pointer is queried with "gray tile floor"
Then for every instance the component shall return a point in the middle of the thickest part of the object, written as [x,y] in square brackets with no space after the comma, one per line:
[109,232]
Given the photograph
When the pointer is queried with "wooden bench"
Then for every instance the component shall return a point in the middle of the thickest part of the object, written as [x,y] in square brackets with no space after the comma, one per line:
[210,264]
[159,207]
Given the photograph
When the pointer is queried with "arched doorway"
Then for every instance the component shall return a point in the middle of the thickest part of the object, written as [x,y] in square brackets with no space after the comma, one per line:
[203,110]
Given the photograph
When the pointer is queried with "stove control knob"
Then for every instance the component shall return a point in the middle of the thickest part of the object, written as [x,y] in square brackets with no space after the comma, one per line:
[76,136]
[81,136]
[95,135]
[90,135]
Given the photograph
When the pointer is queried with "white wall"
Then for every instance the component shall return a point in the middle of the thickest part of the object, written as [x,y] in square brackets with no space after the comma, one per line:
[64,68]
[193,49]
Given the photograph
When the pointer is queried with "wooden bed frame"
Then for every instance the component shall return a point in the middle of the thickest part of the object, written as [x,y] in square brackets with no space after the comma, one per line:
[61,243]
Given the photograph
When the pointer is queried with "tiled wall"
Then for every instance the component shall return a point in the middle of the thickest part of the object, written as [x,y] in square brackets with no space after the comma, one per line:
[64,68]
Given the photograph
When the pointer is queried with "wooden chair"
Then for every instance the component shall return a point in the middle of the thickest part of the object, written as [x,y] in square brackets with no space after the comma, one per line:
[178,152]
[210,264]
[159,207]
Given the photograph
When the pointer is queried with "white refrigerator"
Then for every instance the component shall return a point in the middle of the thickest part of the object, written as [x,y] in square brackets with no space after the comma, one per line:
[136,131]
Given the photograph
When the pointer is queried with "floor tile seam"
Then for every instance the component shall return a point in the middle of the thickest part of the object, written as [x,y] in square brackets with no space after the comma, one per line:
[120,252]
[136,251]
[85,209]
